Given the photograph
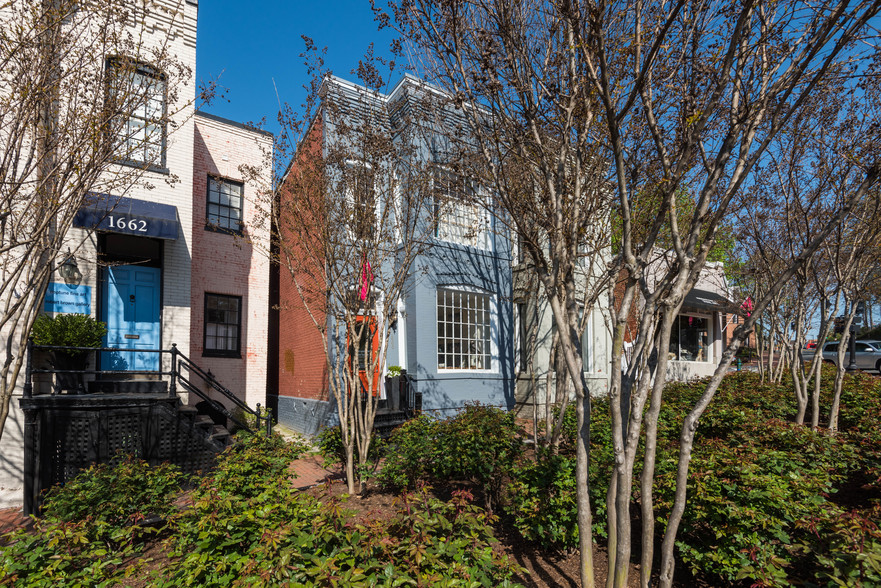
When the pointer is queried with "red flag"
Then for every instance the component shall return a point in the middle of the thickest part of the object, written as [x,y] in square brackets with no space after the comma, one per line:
[366,279]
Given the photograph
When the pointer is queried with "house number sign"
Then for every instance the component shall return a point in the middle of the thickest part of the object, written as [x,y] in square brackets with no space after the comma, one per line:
[121,223]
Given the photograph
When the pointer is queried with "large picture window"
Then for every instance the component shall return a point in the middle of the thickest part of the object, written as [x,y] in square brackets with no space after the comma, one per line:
[224,209]
[459,219]
[137,91]
[463,330]
[690,338]
[223,325]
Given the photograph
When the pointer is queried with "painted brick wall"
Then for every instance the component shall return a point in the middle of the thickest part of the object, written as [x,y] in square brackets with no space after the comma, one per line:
[231,264]
[173,22]
[301,360]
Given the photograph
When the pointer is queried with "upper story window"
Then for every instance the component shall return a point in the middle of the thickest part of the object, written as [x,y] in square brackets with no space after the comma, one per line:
[459,218]
[138,92]
[361,198]
[224,207]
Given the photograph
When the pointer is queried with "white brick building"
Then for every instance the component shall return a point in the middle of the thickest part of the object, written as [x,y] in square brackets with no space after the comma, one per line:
[137,249]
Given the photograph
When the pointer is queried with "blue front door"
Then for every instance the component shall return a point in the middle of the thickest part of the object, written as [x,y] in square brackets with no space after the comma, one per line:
[130,303]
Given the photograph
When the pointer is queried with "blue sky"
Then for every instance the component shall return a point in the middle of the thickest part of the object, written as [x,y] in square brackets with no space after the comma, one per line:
[248,44]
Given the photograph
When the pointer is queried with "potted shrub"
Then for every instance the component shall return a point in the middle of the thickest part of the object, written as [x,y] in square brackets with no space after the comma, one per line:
[69,330]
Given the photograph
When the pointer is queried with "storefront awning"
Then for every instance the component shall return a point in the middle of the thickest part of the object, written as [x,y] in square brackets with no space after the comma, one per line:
[119,214]
[706,300]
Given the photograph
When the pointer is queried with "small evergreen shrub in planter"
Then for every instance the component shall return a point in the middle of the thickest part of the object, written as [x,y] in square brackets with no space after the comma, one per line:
[69,330]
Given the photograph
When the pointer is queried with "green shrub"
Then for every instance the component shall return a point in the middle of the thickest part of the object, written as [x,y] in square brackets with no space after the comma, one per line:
[542,501]
[89,528]
[70,330]
[279,536]
[479,445]
[256,461]
[115,494]
[847,547]
[413,453]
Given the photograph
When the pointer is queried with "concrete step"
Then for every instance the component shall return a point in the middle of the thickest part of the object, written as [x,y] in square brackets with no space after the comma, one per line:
[220,434]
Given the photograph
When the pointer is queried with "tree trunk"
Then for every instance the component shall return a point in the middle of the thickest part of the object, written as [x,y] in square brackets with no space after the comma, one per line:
[585,516]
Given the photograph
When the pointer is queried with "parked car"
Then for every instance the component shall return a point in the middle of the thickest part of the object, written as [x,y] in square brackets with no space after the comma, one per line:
[868,354]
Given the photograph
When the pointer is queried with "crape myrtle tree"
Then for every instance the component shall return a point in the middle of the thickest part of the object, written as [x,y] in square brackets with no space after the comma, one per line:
[809,173]
[81,90]
[528,126]
[673,96]
[351,213]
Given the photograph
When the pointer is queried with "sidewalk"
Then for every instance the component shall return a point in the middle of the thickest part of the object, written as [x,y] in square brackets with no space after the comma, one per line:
[308,470]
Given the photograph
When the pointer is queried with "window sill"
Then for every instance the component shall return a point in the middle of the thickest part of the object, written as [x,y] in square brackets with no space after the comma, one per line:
[225,354]
[142,166]
[222,231]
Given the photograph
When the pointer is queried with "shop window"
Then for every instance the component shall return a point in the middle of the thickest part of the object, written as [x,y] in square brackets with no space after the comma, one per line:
[138,93]
[690,338]
[463,330]
[224,208]
[459,218]
[222,325]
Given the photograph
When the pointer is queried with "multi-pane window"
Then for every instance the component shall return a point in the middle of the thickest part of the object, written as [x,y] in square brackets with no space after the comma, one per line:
[224,212]
[463,330]
[361,197]
[137,91]
[459,218]
[222,325]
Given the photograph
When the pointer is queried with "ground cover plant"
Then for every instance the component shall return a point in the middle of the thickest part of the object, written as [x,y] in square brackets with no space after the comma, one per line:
[479,445]
[90,531]
[248,525]
[771,503]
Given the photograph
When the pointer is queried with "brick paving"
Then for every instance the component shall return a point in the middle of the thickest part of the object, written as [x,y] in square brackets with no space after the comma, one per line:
[12,519]
[309,471]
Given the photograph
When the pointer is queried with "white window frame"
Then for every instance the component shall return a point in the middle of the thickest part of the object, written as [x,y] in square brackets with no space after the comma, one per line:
[493,330]
[352,164]
[150,112]
[469,215]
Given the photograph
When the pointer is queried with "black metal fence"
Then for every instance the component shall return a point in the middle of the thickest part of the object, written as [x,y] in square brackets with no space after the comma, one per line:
[72,422]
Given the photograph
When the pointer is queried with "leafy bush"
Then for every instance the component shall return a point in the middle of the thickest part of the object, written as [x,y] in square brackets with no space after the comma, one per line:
[848,547]
[271,534]
[480,445]
[255,462]
[89,528]
[757,483]
[413,454]
[543,502]
[71,330]
[115,494]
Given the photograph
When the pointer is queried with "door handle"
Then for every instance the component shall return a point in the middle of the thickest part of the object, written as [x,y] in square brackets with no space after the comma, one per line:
[131,298]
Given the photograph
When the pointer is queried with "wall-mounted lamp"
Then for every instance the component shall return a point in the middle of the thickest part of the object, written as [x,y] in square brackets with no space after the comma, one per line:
[69,270]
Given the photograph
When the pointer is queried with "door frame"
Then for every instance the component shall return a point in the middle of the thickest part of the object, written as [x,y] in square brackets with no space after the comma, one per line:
[105,259]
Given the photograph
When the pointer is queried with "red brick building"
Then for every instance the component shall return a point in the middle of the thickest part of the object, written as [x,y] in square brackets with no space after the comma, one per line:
[229,323]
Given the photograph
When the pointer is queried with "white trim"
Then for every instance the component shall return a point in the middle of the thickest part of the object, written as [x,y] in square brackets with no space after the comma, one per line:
[493,330]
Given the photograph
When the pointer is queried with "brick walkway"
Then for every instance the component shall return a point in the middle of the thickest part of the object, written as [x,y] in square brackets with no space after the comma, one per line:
[309,472]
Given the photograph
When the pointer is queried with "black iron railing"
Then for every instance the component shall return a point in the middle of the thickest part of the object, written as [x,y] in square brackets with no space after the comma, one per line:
[179,360]
[182,372]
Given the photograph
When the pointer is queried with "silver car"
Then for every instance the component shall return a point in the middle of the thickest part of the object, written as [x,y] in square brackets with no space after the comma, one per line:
[868,354]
